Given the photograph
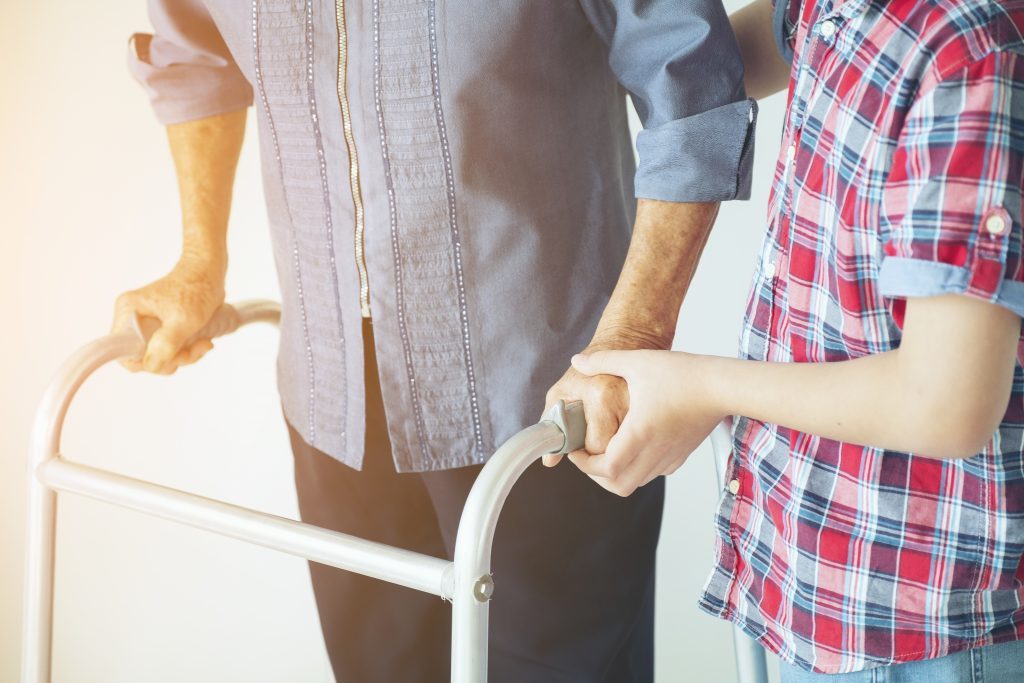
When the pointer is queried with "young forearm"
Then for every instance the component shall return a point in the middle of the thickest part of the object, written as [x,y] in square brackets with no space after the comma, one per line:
[667,242]
[942,392]
[841,400]
[205,153]
[765,72]
[871,401]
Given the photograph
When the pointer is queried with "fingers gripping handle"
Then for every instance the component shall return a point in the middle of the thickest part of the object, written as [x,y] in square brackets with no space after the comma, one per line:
[570,419]
[224,321]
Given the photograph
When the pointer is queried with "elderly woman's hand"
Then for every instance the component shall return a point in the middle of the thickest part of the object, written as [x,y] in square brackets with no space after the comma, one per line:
[183,301]
[670,413]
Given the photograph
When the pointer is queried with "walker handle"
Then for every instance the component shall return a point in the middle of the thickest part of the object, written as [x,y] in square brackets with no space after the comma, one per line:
[571,422]
[224,321]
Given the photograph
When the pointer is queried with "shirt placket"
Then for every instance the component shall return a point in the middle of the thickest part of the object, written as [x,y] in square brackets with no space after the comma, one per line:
[774,258]
[817,43]
[353,158]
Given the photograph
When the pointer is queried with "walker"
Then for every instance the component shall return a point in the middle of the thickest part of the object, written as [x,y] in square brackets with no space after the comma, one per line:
[466,582]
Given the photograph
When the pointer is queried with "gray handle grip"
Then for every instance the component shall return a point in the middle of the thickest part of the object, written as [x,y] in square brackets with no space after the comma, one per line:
[224,321]
[570,419]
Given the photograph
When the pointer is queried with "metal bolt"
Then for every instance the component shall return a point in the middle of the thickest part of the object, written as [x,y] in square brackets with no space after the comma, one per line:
[483,589]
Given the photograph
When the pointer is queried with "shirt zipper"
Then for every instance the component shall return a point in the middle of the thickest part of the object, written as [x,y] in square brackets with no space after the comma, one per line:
[353,158]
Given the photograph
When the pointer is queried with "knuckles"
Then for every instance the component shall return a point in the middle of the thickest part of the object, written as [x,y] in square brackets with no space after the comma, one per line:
[602,389]
[125,301]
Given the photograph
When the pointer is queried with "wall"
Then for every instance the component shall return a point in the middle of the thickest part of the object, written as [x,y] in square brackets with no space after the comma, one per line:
[89,210]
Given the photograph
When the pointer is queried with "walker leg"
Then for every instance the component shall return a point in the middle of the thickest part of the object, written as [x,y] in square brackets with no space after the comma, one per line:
[473,585]
[37,622]
[751,662]
[37,631]
[469,631]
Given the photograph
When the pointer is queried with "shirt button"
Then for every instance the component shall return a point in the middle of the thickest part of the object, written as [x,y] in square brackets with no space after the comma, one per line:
[827,29]
[734,486]
[995,225]
[769,270]
[791,152]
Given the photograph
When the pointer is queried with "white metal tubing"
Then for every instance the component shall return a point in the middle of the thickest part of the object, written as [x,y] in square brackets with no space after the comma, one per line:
[467,581]
[473,585]
[41,513]
[37,614]
[48,473]
[751,662]
[376,560]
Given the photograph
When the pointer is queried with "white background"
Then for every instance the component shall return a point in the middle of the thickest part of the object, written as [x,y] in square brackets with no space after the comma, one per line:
[89,209]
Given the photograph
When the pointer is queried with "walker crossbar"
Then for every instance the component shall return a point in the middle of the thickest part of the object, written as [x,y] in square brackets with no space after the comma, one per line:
[466,581]
[403,567]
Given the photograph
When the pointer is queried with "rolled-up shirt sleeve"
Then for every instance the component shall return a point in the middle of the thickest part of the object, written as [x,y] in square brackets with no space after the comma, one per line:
[785,19]
[952,202]
[185,65]
[682,67]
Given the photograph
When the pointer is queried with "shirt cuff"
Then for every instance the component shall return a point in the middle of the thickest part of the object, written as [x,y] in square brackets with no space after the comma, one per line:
[180,91]
[902,277]
[702,158]
[782,30]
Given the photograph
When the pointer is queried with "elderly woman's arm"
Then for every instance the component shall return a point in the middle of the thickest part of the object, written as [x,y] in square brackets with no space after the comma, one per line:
[197,90]
[205,153]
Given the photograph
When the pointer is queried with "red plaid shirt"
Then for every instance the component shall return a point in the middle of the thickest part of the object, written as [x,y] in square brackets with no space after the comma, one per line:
[901,175]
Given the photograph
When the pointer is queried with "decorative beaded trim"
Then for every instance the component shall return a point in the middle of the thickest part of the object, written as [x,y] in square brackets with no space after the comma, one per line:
[456,242]
[328,220]
[399,293]
[431,300]
[291,221]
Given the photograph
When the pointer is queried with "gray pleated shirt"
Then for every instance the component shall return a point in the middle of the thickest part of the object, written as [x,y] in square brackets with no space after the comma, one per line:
[462,169]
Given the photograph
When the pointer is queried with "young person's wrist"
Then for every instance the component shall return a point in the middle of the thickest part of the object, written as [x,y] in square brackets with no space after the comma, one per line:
[718,376]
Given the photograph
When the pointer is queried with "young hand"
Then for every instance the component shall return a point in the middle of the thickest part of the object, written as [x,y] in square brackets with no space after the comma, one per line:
[604,399]
[670,412]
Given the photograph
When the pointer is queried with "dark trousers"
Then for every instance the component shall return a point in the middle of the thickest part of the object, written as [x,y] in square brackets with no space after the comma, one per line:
[573,568]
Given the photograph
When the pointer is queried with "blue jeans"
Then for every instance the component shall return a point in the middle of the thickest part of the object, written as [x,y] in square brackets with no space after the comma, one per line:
[1002,663]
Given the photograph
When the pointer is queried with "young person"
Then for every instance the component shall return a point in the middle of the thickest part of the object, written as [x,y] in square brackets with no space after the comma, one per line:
[873,520]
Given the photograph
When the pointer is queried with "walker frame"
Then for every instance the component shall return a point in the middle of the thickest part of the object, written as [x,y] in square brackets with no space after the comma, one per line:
[466,581]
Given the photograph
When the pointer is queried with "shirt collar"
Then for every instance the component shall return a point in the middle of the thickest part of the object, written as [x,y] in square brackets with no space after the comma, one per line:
[845,9]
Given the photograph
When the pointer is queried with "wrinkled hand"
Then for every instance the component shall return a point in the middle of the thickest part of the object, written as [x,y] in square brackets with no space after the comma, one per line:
[183,301]
[605,401]
[670,412]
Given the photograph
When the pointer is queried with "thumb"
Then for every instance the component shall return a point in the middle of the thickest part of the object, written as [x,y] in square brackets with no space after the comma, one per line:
[551,459]
[602,363]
